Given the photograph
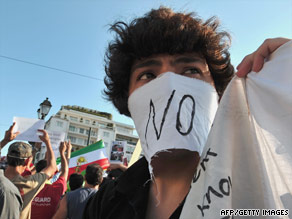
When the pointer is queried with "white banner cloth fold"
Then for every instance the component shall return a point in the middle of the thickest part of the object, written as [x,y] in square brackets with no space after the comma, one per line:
[247,160]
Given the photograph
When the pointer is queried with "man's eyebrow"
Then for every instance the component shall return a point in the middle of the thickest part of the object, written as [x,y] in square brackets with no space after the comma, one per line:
[187,59]
[151,62]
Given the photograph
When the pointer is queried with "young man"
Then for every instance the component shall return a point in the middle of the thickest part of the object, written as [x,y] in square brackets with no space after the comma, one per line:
[19,157]
[165,70]
[73,203]
[44,205]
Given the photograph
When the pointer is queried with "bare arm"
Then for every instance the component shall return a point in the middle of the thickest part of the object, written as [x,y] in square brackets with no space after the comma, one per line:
[61,212]
[51,161]
[114,166]
[9,136]
[69,149]
[64,161]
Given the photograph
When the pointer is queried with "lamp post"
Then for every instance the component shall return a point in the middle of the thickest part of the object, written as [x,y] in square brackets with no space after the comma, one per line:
[44,109]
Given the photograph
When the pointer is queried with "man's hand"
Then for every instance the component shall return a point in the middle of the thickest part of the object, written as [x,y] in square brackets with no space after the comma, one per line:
[69,149]
[62,147]
[114,166]
[9,135]
[45,137]
[255,61]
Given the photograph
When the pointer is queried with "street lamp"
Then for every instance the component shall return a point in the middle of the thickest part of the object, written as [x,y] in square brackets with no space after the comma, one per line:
[44,109]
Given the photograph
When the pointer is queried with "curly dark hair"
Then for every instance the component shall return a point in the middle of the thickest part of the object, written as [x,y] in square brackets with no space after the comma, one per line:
[42,164]
[162,31]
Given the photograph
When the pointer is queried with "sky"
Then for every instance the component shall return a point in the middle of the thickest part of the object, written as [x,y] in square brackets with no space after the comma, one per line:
[55,48]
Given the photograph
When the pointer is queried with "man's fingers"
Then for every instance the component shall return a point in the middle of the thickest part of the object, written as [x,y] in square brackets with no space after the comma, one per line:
[245,66]
[12,126]
[266,49]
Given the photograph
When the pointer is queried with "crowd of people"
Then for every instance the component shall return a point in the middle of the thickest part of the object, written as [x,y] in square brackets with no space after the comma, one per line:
[26,190]
[160,49]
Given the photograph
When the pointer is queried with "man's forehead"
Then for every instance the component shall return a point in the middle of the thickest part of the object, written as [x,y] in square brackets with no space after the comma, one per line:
[176,58]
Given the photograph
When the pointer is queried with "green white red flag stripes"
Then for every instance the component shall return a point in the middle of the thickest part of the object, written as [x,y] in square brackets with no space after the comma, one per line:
[80,159]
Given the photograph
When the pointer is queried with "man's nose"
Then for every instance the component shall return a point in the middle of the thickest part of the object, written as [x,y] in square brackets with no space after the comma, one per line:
[166,68]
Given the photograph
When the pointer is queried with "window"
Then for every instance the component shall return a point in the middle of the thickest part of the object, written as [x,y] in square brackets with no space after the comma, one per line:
[93,133]
[91,142]
[124,130]
[72,128]
[72,118]
[59,124]
[80,141]
[72,139]
[87,132]
[87,121]
[106,134]
[81,130]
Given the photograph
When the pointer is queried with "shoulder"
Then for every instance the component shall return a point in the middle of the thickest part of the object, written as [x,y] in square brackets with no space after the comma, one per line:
[6,186]
[100,201]
[112,199]
[39,177]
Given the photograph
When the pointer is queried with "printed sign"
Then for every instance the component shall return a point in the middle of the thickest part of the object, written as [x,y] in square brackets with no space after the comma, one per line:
[56,138]
[118,149]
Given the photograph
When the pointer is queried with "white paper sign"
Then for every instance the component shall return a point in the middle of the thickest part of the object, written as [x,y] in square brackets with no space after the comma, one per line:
[28,128]
[247,161]
[118,149]
[55,138]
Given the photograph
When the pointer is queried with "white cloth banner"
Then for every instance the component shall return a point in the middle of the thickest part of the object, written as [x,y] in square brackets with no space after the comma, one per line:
[247,160]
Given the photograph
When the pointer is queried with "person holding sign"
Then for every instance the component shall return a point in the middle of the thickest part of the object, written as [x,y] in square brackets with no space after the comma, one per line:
[19,157]
[44,205]
[167,71]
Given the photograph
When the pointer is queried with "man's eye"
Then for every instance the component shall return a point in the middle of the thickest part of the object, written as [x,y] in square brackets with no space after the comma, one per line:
[146,76]
[192,71]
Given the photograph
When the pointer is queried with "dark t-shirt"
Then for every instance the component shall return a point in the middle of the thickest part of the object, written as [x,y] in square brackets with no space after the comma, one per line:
[126,197]
[10,199]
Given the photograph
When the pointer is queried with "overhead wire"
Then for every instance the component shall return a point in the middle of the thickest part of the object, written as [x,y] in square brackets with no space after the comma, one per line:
[53,68]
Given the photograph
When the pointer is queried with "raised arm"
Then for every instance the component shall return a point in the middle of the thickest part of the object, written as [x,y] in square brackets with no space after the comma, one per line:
[69,149]
[9,136]
[255,61]
[51,161]
[64,161]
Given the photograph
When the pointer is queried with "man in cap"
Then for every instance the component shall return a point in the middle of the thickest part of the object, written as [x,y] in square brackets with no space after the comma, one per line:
[19,157]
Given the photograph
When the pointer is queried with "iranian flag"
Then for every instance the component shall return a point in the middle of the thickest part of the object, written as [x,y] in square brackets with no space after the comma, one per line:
[80,159]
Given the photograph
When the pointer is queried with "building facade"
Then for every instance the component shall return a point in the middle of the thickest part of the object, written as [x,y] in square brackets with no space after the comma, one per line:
[84,126]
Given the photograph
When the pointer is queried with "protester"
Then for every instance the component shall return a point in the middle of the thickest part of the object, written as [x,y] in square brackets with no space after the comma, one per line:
[73,203]
[149,57]
[10,199]
[44,205]
[19,158]
[75,181]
